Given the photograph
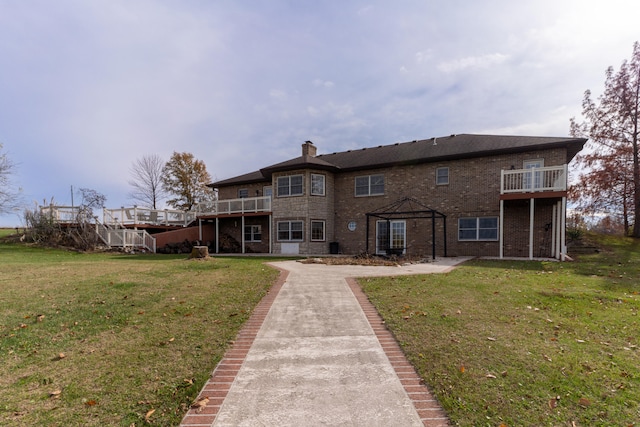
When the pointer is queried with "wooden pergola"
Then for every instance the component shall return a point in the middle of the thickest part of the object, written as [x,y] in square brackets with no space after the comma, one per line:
[410,208]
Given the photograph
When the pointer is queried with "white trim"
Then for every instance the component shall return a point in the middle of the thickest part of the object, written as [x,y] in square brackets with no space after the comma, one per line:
[324,230]
[324,184]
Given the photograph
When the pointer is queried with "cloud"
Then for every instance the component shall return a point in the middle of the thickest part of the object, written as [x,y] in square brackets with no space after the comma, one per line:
[483,61]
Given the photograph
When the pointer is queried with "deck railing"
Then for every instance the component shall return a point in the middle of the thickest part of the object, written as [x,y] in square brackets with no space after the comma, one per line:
[551,178]
[145,216]
[126,238]
[62,214]
[233,206]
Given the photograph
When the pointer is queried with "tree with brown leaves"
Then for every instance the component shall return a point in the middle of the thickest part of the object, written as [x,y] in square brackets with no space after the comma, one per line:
[610,181]
[186,178]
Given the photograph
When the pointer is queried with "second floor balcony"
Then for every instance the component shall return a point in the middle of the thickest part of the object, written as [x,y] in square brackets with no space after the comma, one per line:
[534,180]
[234,206]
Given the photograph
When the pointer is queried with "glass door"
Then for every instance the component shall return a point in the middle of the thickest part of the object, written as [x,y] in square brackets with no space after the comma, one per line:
[533,177]
[391,237]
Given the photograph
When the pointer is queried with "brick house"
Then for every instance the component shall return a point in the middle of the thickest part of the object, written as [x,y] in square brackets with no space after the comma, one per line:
[460,195]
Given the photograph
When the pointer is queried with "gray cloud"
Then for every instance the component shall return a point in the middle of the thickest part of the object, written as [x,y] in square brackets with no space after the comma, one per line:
[88,87]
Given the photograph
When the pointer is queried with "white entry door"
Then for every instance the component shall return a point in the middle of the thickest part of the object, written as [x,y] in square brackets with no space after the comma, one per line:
[394,238]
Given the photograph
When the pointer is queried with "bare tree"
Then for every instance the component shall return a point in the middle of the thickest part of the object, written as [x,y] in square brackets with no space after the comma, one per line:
[146,181]
[10,200]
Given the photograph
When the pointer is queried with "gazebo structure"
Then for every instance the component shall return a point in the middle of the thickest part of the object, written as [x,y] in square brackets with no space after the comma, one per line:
[408,208]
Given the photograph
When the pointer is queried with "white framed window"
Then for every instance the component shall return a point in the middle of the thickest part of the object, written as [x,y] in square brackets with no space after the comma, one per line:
[317,231]
[442,176]
[267,191]
[317,184]
[391,236]
[290,231]
[243,193]
[478,228]
[252,233]
[290,185]
[370,185]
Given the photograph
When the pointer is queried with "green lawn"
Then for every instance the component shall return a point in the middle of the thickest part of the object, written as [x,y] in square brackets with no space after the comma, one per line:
[107,339]
[525,343]
[104,339]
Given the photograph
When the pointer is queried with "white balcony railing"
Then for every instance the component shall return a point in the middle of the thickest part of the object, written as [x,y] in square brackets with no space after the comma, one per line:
[232,206]
[62,214]
[145,216]
[551,178]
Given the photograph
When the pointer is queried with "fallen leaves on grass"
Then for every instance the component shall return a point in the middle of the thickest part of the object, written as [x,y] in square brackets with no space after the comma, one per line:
[148,415]
[200,404]
[584,402]
[55,394]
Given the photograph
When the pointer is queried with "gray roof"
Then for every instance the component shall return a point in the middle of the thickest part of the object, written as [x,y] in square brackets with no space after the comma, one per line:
[419,151]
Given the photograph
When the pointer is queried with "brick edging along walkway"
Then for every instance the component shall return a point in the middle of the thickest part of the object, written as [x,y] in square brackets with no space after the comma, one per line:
[224,374]
[426,405]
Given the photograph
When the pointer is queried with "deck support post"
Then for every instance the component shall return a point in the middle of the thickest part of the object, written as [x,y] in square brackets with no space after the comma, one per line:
[270,234]
[554,230]
[532,207]
[217,235]
[501,227]
[563,229]
[242,231]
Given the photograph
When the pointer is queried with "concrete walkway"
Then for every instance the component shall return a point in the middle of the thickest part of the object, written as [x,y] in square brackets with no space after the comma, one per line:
[316,353]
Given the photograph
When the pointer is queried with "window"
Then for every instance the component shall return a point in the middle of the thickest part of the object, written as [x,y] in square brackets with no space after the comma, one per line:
[290,231]
[267,191]
[290,185]
[317,231]
[371,185]
[391,236]
[317,185]
[252,233]
[483,228]
[442,176]
[243,193]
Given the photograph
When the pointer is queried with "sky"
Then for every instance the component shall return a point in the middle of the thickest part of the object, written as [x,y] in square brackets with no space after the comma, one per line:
[89,87]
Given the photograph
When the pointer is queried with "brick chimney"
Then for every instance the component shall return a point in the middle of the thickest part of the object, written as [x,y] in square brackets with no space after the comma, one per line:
[308,149]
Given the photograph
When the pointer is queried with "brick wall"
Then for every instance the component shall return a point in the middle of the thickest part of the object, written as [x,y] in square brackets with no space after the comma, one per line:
[473,191]
[305,208]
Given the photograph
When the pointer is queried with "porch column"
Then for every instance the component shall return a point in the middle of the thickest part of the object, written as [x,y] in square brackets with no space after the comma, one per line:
[563,229]
[554,229]
[200,230]
[270,234]
[501,232]
[531,218]
[217,235]
[242,230]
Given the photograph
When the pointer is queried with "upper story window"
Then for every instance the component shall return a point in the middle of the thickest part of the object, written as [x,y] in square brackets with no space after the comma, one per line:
[243,193]
[478,228]
[267,191]
[371,185]
[442,176]
[290,185]
[317,184]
